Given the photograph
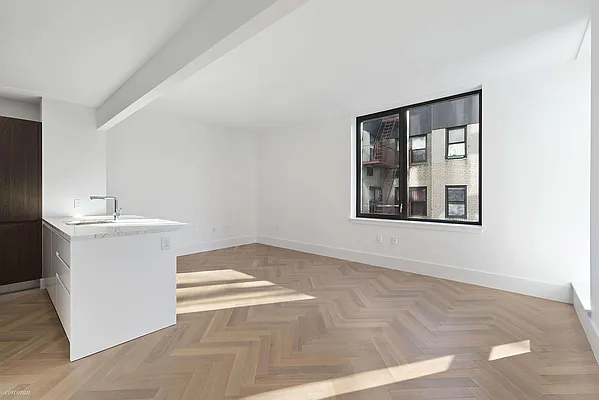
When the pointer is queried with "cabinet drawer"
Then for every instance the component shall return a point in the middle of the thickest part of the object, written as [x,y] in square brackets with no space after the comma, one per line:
[63,309]
[62,247]
[63,271]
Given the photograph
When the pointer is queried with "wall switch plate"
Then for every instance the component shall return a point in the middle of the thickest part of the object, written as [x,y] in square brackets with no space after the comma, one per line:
[76,203]
[393,240]
[165,243]
[379,238]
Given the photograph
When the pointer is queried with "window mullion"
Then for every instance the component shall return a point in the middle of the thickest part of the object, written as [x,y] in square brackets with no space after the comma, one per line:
[403,163]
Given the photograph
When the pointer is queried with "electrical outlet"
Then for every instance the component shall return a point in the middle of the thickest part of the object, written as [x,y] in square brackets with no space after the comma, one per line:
[165,243]
[76,203]
[393,240]
[379,238]
[213,230]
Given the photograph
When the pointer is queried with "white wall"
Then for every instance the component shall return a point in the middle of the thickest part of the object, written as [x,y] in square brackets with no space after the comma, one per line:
[164,166]
[19,109]
[535,192]
[74,159]
[595,171]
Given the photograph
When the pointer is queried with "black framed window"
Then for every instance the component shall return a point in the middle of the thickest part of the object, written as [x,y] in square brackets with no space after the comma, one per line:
[456,204]
[455,142]
[418,149]
[405,161]
[418,202]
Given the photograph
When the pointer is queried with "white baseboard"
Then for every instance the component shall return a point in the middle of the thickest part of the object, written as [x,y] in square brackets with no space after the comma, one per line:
[17,287]
[214,245]
[544,290]
[590,329]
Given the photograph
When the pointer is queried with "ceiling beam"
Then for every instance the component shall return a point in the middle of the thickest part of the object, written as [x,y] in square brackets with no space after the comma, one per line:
[585,43]
[217,29]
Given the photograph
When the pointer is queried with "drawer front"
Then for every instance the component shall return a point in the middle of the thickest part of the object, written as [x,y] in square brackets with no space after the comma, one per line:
[63,309]
[63,271]
[62,247]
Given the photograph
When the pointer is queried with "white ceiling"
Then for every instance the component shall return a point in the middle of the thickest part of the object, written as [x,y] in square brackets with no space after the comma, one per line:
[340,56]
[81,51]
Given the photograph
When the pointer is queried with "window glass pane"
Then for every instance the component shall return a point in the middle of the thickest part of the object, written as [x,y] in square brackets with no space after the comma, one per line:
[447,164]
[456,194]
[418,202]
[462,111]
[418,194]
[380,161]
[420,120]
[456,150]
[456,209]
[418,156]
[456,135]
[418,209]
[419,142]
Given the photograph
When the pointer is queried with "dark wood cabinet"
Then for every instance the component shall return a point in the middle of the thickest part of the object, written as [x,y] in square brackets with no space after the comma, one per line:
[20,170]
[20,200]
[20,252]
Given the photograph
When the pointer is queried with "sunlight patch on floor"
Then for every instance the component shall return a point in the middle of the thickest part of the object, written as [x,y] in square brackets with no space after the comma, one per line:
[509,350]
[210,277]
[195,293]
[357,382]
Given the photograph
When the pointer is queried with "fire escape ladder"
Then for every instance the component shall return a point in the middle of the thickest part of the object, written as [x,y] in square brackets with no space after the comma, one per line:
[386,135]
[382,144]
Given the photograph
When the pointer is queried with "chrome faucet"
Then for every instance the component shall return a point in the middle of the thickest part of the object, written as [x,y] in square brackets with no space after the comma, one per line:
[117,210]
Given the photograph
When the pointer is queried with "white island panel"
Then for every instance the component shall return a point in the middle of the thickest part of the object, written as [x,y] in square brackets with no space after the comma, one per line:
[122,288]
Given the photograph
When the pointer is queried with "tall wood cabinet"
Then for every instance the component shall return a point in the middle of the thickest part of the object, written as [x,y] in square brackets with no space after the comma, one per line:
[20,200]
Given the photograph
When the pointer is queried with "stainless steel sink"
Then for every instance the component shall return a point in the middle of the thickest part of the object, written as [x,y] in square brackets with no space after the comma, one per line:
[90,222]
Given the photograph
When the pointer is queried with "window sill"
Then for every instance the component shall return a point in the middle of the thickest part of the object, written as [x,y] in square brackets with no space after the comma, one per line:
[433,226]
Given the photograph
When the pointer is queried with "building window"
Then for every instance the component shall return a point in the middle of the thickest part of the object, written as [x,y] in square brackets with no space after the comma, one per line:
[456,201]
[418,204]
[418,149]
[409,147]
[456,142]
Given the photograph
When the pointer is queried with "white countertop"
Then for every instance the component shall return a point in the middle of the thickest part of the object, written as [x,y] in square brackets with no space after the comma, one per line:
[127,225]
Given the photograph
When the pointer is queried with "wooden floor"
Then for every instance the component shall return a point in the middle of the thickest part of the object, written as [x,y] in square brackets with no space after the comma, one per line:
[259,322]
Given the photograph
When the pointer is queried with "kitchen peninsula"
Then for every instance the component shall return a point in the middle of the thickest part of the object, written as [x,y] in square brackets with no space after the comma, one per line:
[110,280]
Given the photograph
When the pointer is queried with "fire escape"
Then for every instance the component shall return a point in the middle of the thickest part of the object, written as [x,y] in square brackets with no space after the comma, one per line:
[383,155]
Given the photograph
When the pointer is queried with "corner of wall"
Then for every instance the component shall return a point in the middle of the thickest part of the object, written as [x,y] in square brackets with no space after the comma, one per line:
[589,327]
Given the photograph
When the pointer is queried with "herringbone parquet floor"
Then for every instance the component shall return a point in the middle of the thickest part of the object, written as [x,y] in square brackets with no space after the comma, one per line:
[259,322]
